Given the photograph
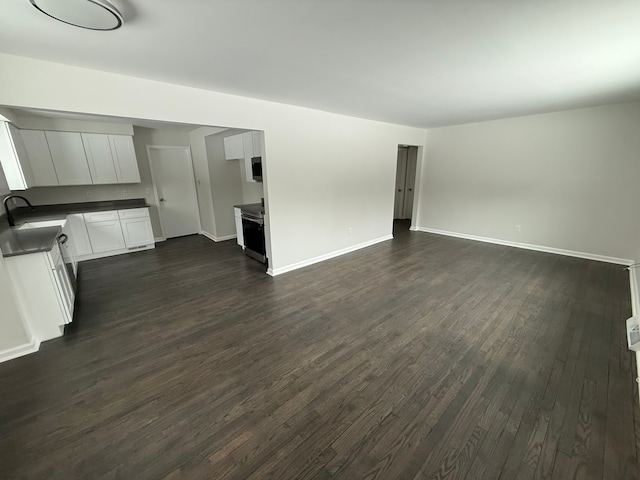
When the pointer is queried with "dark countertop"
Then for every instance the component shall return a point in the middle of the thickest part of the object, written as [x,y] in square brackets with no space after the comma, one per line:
[14,241]
[253,208]
[50,212]
[30,240]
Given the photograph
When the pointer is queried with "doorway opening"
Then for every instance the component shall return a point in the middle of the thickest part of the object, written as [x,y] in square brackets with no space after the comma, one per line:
[405,187]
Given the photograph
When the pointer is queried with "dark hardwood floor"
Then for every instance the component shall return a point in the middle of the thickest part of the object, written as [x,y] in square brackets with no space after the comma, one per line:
[421,357]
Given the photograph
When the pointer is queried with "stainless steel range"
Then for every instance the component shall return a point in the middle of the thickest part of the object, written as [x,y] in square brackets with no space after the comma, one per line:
[253,231]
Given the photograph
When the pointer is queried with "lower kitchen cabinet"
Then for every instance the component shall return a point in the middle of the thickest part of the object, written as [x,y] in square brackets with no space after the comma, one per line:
[105,236]
[136,228]
[238,217]
[113,232]
[79,234]
[44,291]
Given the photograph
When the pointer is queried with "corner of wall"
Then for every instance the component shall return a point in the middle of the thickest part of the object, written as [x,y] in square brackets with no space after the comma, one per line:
[635,309]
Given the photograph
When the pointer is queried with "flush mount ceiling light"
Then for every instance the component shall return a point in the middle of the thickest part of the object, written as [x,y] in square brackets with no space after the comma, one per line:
[91,14]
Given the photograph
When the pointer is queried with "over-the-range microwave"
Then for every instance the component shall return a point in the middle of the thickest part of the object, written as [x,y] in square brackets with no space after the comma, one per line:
[256,168]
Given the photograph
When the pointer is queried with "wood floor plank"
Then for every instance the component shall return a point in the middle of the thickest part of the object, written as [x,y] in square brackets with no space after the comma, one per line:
[422,357]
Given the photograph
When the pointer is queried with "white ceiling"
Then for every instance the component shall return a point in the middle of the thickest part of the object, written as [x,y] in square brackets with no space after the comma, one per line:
[414,62]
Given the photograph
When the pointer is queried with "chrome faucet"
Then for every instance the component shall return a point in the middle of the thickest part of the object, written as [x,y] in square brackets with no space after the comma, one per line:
[8,212]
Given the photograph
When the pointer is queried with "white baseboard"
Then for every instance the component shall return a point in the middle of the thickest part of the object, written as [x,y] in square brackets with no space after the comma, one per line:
[218,239]
[294,266]
[113,253]
[160,239]
[15,352]
[528,246]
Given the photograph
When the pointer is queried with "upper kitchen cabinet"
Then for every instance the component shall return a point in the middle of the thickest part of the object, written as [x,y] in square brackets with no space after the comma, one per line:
[14,158]
[256,140]
[37,148]
[234,147]
[112,158]
[244,146]
[99,157]
[124,159]
[36,158]
[69,158]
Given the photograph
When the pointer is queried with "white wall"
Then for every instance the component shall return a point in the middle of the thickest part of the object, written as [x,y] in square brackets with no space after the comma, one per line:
[203,179]
[226,184]
[221,183]
[324,172]
[141,138]
[569,179]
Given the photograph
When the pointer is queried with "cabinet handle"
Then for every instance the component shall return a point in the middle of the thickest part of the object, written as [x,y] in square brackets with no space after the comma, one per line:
[162,199]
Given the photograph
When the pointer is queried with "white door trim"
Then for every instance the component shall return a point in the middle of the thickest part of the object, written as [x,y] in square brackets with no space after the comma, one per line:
[155,189]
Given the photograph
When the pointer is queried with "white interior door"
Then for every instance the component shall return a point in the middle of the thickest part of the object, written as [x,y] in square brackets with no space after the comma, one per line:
[410,182]
[401,180]
[172,173]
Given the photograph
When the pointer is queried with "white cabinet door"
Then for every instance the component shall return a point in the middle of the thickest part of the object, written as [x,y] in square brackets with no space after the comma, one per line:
[247,145]
[247,139]
[234,147]
[239,235]
[124,159]
[99,158]
[42,288]
[256,138]
[137,231]
[69,158]
[37,148]
[78,232]
[14,159]
[105,236]
[64,288]
[4,185]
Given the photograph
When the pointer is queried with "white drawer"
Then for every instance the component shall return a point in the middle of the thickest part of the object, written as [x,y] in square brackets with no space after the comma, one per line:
[101,216]
[134,212]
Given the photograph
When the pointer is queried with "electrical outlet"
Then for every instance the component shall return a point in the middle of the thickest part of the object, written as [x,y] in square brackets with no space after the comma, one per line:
[125,194]
[350,230]
[147,191]
[517,228]
[89,194]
